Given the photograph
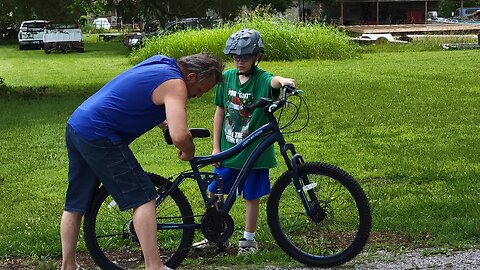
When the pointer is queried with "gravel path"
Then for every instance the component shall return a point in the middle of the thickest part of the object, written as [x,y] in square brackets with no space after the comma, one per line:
[427,259]
[430,259]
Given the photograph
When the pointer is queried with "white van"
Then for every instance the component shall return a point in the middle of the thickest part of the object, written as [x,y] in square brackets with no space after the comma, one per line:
[101,23]
[31,34]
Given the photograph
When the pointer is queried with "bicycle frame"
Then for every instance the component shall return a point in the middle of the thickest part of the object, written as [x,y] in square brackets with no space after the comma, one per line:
[271,134]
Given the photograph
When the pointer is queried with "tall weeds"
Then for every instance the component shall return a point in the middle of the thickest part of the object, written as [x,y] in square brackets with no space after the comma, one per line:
[283,40]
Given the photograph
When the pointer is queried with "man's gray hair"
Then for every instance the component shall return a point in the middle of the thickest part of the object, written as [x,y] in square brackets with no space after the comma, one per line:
[204,64]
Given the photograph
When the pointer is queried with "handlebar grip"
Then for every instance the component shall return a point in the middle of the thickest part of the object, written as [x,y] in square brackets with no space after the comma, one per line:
[265,101]
[289,89]
[258,104]
[166,135]
[196,133]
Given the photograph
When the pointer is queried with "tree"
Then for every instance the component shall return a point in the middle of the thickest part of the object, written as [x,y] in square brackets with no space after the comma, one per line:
[166,10]
[278,5]
[16,11]
[448,6]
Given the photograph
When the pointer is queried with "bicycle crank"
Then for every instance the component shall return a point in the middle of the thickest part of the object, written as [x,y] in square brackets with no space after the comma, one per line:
[130,233]
[217,226]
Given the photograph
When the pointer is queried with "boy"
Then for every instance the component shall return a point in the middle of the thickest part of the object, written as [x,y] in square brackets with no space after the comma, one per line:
[242,86]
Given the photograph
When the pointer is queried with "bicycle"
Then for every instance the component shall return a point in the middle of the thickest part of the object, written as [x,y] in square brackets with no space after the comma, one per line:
[317,213]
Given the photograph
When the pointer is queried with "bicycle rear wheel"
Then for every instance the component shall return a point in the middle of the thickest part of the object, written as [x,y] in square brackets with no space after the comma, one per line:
[340,223]
[110,235]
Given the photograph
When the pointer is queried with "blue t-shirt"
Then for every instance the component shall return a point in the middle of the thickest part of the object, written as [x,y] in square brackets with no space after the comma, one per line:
[123,109]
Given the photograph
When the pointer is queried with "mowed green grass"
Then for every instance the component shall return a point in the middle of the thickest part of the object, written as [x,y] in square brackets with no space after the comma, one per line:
[405,125]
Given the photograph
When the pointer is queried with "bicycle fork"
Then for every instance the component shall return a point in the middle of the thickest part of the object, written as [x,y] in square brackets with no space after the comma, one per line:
[302,183]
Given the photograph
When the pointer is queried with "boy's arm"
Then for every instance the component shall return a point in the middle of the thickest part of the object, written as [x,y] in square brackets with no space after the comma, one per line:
[217,129]
[277,82]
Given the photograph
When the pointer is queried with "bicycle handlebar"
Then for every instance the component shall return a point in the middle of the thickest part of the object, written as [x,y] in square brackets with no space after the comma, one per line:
[196,133]
[274,104]
[269,104]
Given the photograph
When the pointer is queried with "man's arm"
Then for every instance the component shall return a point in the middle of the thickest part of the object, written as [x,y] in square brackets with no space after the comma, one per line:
[173,94]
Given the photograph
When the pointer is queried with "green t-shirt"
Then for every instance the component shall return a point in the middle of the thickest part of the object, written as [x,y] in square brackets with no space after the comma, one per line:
[238,124]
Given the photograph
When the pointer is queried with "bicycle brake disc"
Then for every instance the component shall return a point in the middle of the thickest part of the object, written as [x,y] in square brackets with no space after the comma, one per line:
[217,226]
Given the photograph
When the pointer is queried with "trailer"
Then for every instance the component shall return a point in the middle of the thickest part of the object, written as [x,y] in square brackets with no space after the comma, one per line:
[63,37]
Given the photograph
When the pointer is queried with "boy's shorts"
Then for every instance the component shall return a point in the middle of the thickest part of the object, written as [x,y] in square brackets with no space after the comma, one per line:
[113,164]
[256,185]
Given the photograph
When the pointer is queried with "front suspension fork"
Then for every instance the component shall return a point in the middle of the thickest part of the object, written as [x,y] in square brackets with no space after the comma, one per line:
[300,182]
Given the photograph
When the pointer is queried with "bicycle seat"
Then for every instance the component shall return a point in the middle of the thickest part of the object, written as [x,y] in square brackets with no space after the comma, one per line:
[196,133]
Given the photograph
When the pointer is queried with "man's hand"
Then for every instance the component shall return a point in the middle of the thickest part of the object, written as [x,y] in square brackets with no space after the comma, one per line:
[163,125]
[184,156]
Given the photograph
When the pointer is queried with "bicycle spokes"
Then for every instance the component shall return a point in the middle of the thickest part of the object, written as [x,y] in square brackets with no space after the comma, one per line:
[330,225]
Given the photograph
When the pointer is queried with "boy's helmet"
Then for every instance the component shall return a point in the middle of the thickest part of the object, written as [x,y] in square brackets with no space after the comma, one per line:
[245,41]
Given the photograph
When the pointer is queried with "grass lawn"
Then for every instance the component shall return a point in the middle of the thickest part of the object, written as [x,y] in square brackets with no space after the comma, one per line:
[406,125]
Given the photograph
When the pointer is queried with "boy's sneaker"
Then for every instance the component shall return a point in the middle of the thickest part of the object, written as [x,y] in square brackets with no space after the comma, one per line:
[206,245]
[247,246]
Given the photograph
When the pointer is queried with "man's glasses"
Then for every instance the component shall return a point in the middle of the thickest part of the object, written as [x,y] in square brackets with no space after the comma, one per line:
[244,58]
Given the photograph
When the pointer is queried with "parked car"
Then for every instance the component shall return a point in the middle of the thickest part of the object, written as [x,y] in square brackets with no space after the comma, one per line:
[101,23]
[135,39]
[31,34]
[63,37]
[466,12]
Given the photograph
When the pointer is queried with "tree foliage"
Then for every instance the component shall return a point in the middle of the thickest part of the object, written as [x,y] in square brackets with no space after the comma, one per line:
[15,11]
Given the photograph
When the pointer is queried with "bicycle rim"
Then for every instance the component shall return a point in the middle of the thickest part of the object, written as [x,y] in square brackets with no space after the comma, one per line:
[110,234]
[341,223]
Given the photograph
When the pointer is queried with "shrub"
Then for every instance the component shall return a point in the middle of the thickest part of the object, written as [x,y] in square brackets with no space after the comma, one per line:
[34,92]
[283,40]
[4,89]
[27,93]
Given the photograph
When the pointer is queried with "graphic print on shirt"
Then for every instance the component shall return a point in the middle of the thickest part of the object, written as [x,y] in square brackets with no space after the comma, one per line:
[236,117]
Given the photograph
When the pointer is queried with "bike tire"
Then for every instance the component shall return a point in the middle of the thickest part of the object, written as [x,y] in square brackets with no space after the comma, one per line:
[331,241]
[113,246]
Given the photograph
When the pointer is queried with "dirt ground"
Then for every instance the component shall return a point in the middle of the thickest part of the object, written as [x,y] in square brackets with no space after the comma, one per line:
[415,254]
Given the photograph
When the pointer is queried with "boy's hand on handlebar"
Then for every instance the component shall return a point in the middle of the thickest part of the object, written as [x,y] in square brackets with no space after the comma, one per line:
[216,151]
[287,81]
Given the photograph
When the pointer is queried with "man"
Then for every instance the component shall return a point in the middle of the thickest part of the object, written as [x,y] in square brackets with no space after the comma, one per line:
[101,128]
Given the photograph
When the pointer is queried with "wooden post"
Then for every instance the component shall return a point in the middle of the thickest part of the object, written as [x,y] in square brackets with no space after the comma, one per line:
[426,11]
[299,11]
[461,9]
[341,13]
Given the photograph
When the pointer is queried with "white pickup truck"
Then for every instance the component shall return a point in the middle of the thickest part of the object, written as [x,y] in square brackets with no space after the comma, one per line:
[63,37]
[31,34]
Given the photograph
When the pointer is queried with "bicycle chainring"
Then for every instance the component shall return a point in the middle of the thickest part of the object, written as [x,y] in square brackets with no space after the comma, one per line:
[217,226]
[130,233]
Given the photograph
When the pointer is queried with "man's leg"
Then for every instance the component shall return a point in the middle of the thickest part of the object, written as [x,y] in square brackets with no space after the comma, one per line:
[145,222]
[69,230]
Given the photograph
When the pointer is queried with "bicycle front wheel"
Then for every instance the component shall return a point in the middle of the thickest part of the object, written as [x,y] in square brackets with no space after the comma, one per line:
[338,225]
[110,235]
